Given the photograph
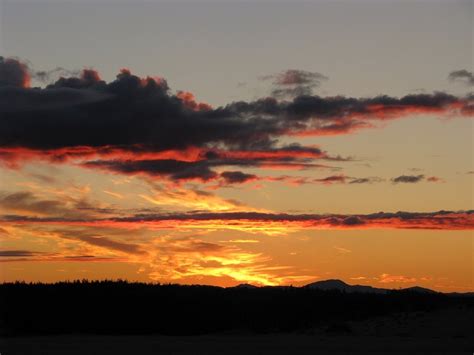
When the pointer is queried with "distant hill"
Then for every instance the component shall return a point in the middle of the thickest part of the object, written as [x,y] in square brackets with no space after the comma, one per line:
[339,285]
[328,285]
[419,289]
[245,286]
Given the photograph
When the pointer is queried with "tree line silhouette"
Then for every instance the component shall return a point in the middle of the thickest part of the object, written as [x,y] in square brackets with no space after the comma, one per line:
[120,307]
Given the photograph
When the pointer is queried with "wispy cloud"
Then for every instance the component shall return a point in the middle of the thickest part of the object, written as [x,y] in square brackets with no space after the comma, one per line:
[463,76]
[408,179]
[269,223]
[294,82]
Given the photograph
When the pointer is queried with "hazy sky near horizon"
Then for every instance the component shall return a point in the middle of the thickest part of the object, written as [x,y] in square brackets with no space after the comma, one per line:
[80,197]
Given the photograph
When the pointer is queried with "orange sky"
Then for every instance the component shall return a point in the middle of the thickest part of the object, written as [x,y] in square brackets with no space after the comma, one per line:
[128,178]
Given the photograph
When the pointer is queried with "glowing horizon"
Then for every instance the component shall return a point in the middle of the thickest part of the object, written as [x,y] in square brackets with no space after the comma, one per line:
[276,176]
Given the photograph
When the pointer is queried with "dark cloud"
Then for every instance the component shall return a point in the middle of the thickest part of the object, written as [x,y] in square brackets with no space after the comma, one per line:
[179,171]
[22,102]
[17,253]
[408,179]
[298,77]
[133,111]
[26,255]
[127,112]
[202,170]
[291,156]
[333,179]
[47,75]
[237,177]
[13,73]
[344,179]
[114,124]
[367,180]
[16,73]
[353,221]
[26,202]
[102,241]
[428,220]
[464,76]
[172,169]
[447,220]
[293,82]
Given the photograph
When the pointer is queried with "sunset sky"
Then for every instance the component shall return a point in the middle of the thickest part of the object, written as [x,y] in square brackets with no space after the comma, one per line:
[227,142]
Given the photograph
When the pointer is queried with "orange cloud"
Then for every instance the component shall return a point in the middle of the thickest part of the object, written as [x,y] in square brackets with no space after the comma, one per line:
[178,259]
[162,258]
[270,223]
[14,157]
[387,278]
[190,102]
[434,179]
[14,73]
[193,199]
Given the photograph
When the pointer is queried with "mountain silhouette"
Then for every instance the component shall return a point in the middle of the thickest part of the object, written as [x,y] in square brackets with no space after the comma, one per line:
[339,285]
[334,284]
[245,285]
[419,289]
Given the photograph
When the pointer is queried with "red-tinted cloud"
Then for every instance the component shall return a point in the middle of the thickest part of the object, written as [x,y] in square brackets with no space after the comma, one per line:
[189,101]
[272,223]
[135,125]
[131,111]
[333,179]
[14,73]
[434,179]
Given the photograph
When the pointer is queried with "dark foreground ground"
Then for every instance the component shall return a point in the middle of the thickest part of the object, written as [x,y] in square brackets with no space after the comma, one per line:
[232,345]
[121,318]
[443,332]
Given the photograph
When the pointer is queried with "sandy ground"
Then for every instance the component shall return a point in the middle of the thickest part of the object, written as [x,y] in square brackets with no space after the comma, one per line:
[444,332]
